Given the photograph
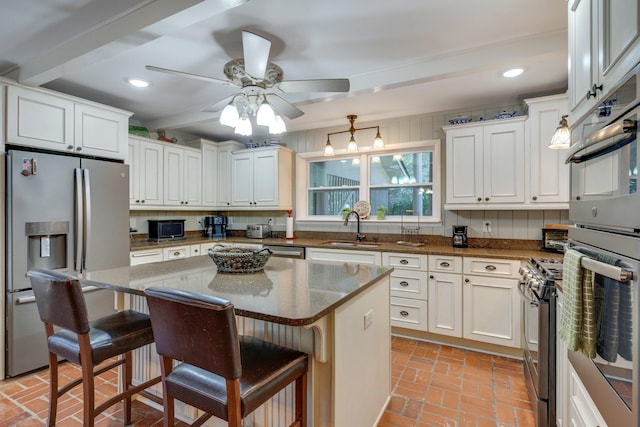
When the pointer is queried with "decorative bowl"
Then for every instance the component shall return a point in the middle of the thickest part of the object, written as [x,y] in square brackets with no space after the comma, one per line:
[505,115]
[230,259]
[459,120]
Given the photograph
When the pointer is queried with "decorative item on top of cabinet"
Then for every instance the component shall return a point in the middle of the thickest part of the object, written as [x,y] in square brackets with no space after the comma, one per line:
[146,164]
[547,177]
[408,289]
[604,45]
[474,152]
[492,304]
[262,178]
[45,119]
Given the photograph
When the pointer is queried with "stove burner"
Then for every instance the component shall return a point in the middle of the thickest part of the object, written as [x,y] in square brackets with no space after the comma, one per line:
[549,268]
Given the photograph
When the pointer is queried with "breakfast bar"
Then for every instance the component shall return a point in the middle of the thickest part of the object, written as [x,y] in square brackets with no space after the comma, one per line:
[338,313]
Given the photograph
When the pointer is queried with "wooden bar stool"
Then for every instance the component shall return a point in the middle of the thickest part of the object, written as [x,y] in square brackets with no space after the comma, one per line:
[220,372]
[61,304]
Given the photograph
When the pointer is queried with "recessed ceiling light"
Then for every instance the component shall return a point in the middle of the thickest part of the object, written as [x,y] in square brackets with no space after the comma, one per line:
[138,82]
[514,72]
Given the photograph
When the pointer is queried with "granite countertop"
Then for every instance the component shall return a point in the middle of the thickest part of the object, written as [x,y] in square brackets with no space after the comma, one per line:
[520,253]
[289,291]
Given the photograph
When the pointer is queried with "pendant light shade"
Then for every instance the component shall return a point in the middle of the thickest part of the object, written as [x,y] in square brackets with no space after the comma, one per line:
[561,138]
[229,116]
[244,127]
[352,147]
[328,149]
[265,115]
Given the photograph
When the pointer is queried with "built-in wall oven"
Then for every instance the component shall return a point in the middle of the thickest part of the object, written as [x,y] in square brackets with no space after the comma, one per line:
[605,208]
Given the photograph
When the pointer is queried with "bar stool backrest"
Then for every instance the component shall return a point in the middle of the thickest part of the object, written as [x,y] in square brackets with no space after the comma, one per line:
[197,329]
[60,300]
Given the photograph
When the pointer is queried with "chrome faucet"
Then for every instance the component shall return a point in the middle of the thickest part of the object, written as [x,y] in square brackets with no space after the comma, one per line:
[359,237]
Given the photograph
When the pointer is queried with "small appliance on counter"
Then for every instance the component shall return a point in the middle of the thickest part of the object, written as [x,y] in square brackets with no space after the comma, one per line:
[459,238]
[554,238]
[166,229]
[258,231]
[214,226]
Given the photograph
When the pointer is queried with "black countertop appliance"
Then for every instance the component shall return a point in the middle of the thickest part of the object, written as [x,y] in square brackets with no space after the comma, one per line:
[214,226]
[459,237]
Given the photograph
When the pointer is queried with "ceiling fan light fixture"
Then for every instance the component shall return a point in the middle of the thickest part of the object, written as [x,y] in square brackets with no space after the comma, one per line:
[352,147]
[266,116]
[244,126]
[278,126]
[229,116]
[561,138]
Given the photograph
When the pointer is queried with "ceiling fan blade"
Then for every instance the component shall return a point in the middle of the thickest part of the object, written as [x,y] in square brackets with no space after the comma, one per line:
[320,85]
[220,104]
[190,75]
[255,50]
[283,106]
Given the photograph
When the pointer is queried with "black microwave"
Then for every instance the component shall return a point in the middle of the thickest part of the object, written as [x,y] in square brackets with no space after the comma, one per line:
[166,229]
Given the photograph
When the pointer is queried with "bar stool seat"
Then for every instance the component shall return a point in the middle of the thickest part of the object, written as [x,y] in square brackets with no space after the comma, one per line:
[222,373]
[61,304]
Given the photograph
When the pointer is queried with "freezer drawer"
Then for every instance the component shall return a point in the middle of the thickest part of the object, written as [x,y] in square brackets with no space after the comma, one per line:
[26,342]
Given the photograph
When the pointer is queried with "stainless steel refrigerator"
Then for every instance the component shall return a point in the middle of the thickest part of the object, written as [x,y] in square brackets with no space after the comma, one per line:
[64,213]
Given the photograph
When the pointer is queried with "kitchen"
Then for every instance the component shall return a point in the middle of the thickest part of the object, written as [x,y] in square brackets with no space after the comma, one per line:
[418,125]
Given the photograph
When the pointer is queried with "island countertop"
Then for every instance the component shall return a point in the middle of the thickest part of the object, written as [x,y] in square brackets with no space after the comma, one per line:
[289,291]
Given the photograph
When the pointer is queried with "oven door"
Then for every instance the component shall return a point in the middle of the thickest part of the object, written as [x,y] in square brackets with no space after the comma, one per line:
[604,175]
[611,377]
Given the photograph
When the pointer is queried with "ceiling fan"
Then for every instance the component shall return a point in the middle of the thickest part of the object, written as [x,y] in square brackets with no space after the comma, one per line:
[257,79]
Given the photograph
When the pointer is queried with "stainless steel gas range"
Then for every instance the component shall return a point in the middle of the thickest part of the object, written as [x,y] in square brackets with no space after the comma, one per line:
[538,279]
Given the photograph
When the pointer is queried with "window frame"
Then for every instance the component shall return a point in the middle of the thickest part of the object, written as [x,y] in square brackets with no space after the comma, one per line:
[303,171]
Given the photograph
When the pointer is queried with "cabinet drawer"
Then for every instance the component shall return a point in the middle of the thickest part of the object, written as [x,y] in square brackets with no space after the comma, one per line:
[408,261]
[176,252]
[445,264]
[409,284]
[145,257]
[409,313]
[491,267]
[195,250]
[348,256]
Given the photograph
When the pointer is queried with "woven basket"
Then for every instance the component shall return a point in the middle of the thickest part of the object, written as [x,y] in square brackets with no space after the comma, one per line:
[239,260]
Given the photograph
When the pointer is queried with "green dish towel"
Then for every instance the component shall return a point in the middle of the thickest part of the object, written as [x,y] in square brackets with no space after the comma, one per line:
[577,319]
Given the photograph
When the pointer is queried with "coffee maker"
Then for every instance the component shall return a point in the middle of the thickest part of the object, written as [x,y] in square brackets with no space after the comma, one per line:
[214,226]
[459,239]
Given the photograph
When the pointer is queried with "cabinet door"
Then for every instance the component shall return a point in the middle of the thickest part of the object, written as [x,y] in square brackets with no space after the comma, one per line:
[242,179]
[492,310]
[39,120]
[209,175]
[150,169]
[173,176]
[224,175]
[548,174]
[133,157]
[192,183]
[346,256]
[265,179]
[464,165]
[445,304]
[100,132]
[503,147]
[581,56]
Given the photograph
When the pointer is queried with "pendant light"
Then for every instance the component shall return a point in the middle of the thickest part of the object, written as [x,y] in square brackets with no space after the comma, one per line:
[561,138]
[352,147]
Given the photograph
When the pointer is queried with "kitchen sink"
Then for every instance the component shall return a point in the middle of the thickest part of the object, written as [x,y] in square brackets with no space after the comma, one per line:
[351,244]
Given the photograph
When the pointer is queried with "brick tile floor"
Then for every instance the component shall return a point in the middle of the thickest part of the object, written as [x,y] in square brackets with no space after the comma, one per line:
[432,385]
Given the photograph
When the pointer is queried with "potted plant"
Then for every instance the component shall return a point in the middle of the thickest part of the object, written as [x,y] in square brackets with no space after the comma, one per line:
[380,212]
[345,212]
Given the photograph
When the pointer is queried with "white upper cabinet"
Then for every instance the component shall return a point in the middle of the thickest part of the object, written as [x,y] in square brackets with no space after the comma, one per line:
[224,171]
[547,174]
[146,164]
[485,165]
[41,119]
[262,178]
[604,44]
[182,176]
[209,174]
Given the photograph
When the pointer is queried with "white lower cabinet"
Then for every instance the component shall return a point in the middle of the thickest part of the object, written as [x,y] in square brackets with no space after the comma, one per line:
[408,289]
[491,301]
[445,304]
[146,256]
[582,410]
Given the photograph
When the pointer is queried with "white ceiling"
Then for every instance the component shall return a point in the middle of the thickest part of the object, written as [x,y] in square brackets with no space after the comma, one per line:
[402,58]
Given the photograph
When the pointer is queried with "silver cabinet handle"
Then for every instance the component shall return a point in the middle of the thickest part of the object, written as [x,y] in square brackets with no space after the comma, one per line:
[404,283]
[404,262]
[404,313]
[176,253]
[445,264]
[490,267]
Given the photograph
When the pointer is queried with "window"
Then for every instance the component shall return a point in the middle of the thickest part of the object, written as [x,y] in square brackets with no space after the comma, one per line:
[405,181]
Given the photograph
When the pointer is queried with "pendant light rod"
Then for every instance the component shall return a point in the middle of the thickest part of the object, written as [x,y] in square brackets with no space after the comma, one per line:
[378,143]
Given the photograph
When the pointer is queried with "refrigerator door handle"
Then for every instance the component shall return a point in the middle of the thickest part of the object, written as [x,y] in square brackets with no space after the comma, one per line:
[87,215]
[79,231]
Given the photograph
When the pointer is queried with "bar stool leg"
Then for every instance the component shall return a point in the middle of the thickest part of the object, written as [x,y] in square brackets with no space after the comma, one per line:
[88,395]
[166,365]
[128,375]
[53,389]
[301,401]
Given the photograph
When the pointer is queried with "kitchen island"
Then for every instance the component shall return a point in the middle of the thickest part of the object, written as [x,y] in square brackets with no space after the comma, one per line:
[336,312]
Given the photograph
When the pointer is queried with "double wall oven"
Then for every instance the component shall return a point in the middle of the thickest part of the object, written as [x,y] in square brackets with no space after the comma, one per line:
[605,208]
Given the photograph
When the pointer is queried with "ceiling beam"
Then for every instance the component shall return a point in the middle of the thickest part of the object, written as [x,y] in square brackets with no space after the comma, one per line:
[150,20]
